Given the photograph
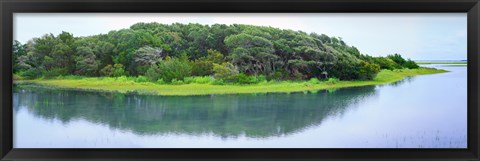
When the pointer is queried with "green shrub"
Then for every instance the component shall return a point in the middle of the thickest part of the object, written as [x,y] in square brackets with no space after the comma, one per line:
[118,70]
[386,63]
[218,82]
[140,79]
[202,67]
[261,78]
[332,81]
[314,81]
[368,71]
[153,73]
[188,80]
[242,79]
[31,73]
[177,82]
[199,80]
[107,71]
[54,72]
[397,58]
[160,81]
[411,64]
[122,79]
[224,70]
[277,75]
[169,69]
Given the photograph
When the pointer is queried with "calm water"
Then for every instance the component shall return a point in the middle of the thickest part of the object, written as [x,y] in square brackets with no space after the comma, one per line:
[428,111]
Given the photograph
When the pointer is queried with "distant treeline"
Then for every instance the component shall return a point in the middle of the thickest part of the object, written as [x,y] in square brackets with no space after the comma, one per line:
[233,53]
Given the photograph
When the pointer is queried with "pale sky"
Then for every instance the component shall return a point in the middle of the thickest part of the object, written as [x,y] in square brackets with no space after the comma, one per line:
[419,36]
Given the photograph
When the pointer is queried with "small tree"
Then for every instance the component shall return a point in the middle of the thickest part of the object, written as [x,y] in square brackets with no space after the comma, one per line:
[397,58]
[368,71]
[107,70]
[411,64]
[224,70]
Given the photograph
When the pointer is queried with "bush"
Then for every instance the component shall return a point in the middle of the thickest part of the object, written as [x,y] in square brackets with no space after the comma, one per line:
[140,79]
[411,64]
[54,72]
[218,82]
[118,70]
[169,69]
[261,78]
[224,70]
[277,75]
[153,73]
[198,80]
[31,73]
[188,80]
[368,71]
[245,79]
[397,58]
[177,82]
[345,69]
[202,67]
[122,79]
[107,71]
[332,80]
[314,81]
[160,81]
[386,63]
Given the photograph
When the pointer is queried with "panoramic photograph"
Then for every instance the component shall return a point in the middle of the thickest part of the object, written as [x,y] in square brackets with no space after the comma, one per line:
[240,80]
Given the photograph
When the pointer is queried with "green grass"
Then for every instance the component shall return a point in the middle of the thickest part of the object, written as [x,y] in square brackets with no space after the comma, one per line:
[441,62]
[129,85]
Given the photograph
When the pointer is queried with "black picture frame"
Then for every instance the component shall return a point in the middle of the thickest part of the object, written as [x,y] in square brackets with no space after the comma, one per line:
[8,7]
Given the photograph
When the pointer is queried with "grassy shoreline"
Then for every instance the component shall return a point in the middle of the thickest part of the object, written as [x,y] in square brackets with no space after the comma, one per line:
[97,84]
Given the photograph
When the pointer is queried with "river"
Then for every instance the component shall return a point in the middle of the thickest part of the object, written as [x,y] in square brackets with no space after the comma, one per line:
[427,111]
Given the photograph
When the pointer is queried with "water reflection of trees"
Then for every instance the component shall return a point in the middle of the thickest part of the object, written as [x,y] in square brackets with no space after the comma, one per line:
[257,116]
[404,80]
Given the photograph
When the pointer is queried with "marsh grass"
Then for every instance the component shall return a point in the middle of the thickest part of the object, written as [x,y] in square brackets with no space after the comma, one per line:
[208,85]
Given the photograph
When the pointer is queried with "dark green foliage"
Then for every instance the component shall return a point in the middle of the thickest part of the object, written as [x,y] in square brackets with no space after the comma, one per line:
[167,53]
[154,73]
[145,57]
[118,70]
[204,65]
[19,50]
[224,71]
[55,72]
[411,64]
[397,58]
[31,73]
[141,79]
[386,63]
[107,70]
[170,69]
[368,71]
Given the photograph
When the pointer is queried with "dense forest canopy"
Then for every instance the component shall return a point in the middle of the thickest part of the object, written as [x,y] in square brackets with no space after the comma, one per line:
[231,53]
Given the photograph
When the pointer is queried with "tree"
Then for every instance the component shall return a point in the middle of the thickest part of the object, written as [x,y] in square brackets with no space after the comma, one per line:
[397,58]
[86,62]
[170,69]
[224,70]
[386,63]
[19,50]
[252,54]
[204,65]
[146,57]
[368,71]
[411,64]
[175,51]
